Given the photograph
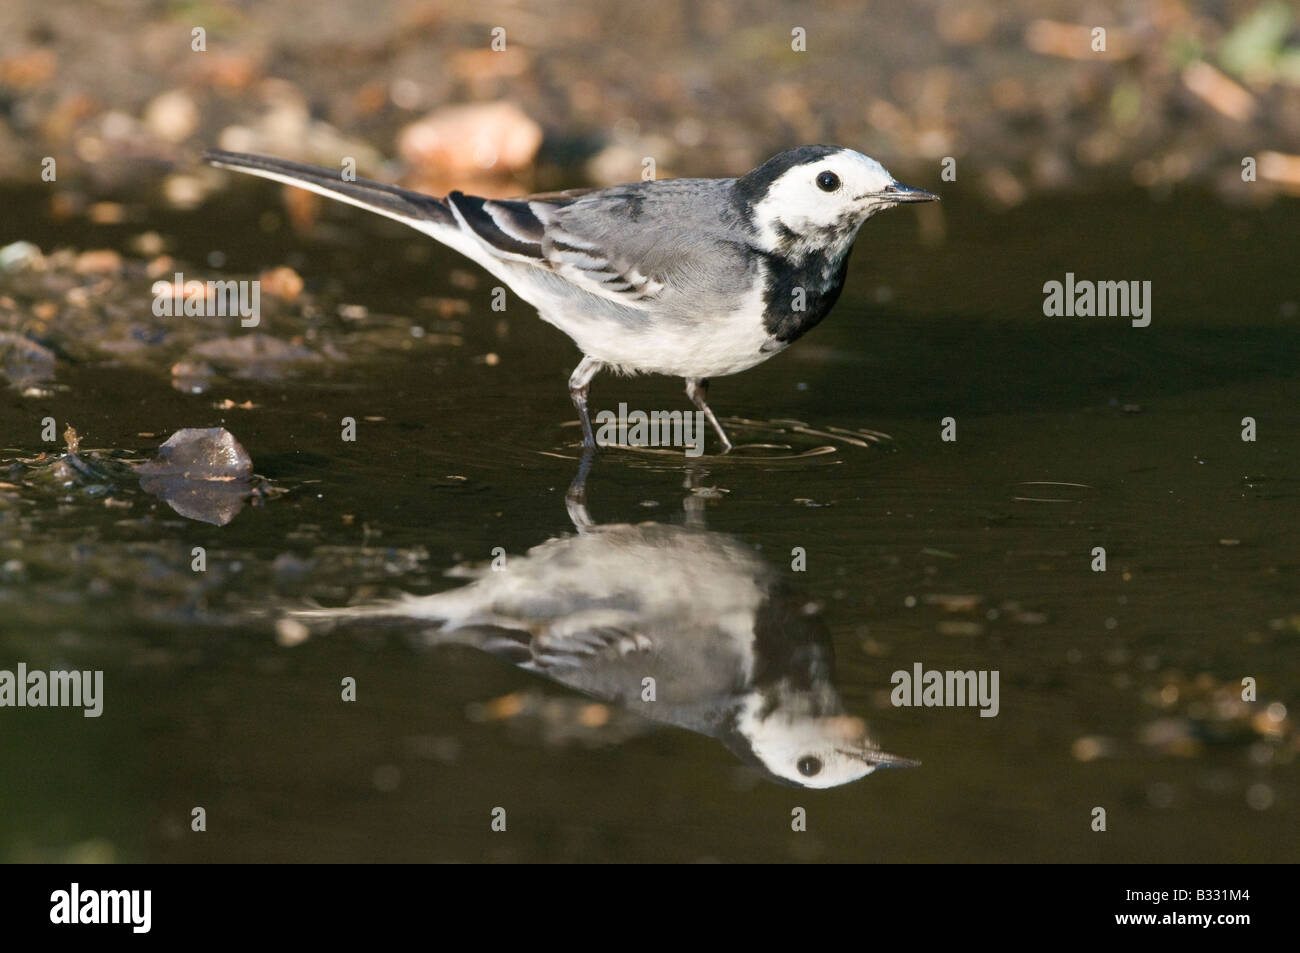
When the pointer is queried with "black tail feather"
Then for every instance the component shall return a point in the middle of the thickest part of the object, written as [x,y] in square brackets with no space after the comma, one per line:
[401,204]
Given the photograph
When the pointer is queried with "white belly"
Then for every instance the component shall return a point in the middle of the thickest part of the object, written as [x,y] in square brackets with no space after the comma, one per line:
[703,346]
[715,347]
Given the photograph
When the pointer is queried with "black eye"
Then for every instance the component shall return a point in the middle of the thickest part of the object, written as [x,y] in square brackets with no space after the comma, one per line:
[827,182]
[810,766]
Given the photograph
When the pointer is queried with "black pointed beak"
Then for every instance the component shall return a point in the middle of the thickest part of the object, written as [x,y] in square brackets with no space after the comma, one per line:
[899,193]
[880,759]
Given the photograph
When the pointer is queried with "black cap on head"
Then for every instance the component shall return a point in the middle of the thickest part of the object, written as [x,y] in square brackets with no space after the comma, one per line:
[752,186]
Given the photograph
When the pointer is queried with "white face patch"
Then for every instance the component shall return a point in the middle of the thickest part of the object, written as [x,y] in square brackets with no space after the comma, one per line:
[809,751]
[838,192]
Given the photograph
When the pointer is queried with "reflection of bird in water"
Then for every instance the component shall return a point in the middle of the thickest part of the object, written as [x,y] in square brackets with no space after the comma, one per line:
[682,625]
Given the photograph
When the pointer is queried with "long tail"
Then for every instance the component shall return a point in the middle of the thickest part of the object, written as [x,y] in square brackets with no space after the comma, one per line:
[421,212]
[429,614]
[424,609]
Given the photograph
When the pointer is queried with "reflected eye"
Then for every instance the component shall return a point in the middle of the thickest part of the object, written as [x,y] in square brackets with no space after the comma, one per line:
[810,766]
[827,182]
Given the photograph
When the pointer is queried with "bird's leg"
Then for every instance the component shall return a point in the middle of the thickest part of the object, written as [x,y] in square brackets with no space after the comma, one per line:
[575,500]
[578,382]
[697,389]
[696,498]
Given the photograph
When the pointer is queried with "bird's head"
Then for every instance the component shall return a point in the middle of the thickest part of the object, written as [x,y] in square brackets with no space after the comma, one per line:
[819,195]
[798,746]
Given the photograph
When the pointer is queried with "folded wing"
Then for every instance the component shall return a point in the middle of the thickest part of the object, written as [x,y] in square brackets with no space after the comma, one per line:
[636,246]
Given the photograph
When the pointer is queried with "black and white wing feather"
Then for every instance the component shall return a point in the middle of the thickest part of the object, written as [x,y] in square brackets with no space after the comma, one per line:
[638,245]
[533,230]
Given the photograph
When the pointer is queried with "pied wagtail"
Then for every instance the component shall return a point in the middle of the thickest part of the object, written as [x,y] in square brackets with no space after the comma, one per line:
[692,278]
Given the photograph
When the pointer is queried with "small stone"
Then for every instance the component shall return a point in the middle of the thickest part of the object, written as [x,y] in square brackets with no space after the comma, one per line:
[201,473]
[102,261]
[18,255]
[184,192]
[172,116]
[290,632]
[23,362]
[282,282]
[148,244]
[209,453]
[1092,747]
[472,138]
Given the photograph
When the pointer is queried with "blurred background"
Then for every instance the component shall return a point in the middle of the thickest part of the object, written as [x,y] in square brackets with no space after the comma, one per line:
[1120,689]
[1015,91]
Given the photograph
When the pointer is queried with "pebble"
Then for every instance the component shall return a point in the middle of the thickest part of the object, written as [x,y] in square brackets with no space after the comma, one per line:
[472,138]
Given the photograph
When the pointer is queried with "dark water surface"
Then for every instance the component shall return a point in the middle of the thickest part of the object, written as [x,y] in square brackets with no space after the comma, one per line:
[1118,689]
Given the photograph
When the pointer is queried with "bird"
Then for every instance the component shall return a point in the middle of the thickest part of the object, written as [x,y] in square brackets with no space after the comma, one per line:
[735,654]
[689,278]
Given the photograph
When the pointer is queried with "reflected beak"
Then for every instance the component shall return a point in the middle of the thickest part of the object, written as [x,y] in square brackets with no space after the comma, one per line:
[879,759]
[899,193]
